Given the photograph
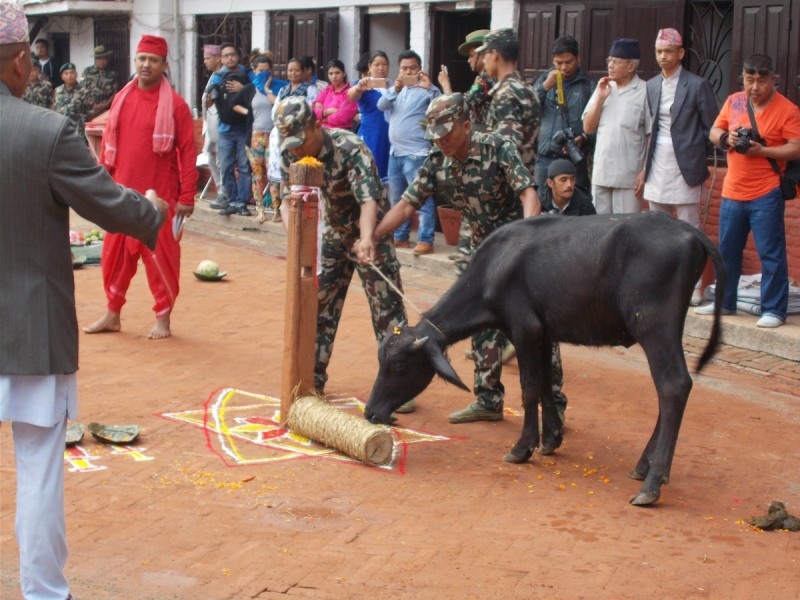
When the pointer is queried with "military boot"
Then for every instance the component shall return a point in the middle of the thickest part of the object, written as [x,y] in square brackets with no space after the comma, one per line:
[476,412]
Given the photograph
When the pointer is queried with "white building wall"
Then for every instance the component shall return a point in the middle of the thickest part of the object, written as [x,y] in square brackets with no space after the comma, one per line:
[505,13]
[189,51]
[350,39]
[260,32]
[420,34]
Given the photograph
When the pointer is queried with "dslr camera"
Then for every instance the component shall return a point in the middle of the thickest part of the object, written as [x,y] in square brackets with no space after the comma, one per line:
[566,139]
[745,137]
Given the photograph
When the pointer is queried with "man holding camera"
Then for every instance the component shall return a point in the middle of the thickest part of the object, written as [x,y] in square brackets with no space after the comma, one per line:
[563,92]
[760,130]
[618,113]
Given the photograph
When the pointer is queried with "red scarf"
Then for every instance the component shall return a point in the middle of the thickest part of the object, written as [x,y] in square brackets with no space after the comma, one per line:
[164,132]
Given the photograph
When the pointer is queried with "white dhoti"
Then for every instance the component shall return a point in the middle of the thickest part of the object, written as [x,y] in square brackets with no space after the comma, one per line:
[665,186]
[39,407]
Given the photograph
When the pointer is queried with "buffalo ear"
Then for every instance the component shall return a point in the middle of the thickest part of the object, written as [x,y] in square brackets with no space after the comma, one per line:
[445,370]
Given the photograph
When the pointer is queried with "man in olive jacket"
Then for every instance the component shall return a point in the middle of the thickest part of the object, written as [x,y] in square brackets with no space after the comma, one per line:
[45,169]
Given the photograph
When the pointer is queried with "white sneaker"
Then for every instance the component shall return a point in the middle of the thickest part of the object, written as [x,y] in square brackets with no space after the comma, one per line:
[708,309]
[697,297]
[770,321]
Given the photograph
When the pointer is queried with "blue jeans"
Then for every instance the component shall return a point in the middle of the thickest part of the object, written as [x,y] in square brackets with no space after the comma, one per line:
[233,152]
[402,171]
[764,216]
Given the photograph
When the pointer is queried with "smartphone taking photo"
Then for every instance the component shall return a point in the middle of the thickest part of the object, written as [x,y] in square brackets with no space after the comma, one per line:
[409,80]
[376,82]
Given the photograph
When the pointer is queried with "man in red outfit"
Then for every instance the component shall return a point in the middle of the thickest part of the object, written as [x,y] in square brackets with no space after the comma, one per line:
[148,144]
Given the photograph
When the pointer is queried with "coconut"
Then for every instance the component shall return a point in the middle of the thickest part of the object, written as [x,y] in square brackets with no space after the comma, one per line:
[208,268]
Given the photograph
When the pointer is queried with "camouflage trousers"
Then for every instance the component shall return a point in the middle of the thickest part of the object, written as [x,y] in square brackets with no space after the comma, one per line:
[386,307]
[487,348]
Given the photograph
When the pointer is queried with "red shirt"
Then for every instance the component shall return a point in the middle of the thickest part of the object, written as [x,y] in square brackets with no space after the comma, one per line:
[173,175]
[748,177]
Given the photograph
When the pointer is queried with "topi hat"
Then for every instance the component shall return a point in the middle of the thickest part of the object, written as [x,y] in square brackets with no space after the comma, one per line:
[497,37]
[444,111]
[13,23]
[211,50]
[474,40]
[625,48]
[669,37]
[100,52]
[153,44]
[292,116]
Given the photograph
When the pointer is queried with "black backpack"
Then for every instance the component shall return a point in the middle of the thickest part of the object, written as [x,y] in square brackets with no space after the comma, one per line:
[223,99]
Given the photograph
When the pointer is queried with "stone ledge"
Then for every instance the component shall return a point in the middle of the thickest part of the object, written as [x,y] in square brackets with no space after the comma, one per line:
[738,330]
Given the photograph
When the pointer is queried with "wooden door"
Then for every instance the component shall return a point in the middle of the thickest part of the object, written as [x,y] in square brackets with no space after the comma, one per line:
[281,44]
[762,27]
[305,35]
[601,30]
[642,20]
[329,44]
[537,32]
[450,29]
[793,75]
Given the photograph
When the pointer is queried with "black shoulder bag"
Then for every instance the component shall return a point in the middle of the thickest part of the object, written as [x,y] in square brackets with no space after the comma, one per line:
[791,179]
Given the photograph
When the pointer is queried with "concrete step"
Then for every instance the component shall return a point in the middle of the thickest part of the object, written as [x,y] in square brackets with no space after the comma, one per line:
[737,330]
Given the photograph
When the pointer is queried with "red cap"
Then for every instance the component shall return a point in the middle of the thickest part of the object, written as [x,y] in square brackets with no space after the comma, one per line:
[152,44]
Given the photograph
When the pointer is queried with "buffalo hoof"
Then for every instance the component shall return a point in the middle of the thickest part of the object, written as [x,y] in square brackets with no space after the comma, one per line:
[636,475]
[645,498]
[548,449]
[518,460]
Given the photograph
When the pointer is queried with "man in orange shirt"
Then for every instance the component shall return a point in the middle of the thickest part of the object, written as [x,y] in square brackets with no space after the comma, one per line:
[751,194]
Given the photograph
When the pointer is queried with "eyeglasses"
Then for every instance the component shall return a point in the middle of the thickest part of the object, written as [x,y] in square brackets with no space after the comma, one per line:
[229,54]
[616,61]
[759,72]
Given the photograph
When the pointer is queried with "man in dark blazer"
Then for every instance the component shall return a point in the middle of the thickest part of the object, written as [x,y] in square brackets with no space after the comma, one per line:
[45,169]
[683,110]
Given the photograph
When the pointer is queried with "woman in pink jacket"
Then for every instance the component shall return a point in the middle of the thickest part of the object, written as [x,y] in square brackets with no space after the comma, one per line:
[332,107]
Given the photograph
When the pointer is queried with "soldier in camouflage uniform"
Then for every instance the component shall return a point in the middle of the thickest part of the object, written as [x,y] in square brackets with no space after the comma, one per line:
[514,110]
[70,99]
[354,199]
[38,91]
[488,183]
[99,83]
[476,102]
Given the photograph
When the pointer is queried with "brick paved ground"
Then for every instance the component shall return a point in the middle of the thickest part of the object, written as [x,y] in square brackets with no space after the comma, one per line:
[460,523]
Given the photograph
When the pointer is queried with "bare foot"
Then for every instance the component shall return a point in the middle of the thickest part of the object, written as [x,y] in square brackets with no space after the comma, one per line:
[161,329]
[109,323]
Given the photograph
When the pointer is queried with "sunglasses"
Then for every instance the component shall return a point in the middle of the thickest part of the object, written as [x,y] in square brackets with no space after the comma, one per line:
[759,72]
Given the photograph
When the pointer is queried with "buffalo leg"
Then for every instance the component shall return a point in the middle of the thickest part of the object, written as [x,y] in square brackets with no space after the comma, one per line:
[673,384]
[551,423]
[643,466]
[529,360]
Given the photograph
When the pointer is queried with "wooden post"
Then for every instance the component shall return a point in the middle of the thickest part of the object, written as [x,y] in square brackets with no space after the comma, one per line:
[300,329]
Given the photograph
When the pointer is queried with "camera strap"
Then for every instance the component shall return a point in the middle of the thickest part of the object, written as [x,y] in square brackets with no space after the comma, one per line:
[754,127]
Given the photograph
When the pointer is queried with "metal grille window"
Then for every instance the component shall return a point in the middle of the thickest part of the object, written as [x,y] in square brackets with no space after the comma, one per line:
[115,34]
[217,29]
[709,25]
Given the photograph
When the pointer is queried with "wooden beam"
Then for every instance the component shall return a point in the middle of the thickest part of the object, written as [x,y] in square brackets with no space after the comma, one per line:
[300,329]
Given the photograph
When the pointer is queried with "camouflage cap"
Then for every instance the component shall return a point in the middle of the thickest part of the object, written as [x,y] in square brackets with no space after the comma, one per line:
[442,114]
[497,37]
[292,116]
[67,67]
[474,40]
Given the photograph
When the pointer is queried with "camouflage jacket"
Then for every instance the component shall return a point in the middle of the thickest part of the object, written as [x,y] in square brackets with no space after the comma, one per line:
[73,104]
[485,188]
[99,87]
[351,179]
[514,113]
[39,94]
[477,99]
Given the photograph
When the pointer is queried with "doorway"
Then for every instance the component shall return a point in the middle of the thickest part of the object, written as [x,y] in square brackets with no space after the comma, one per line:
[450,29]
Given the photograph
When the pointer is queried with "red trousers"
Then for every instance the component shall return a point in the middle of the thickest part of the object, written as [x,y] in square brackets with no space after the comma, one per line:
[120,259]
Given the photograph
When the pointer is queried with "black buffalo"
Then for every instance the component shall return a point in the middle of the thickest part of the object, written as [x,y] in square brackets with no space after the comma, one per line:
[605,280]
